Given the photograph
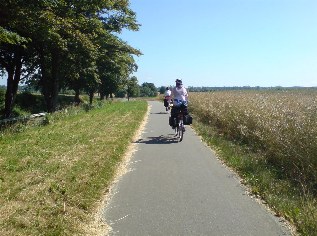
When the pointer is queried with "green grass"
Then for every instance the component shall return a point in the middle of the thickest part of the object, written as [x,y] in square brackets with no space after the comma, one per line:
[265,181]
[52,176]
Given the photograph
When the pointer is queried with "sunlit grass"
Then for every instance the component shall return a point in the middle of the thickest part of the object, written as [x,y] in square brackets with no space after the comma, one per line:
[51,176]
[270,138]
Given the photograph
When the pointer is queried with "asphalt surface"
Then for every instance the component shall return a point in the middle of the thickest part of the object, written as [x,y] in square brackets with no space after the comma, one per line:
[180,188]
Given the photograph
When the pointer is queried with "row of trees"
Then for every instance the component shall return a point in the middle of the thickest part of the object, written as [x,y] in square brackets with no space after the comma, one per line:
[58,44]
[134,90]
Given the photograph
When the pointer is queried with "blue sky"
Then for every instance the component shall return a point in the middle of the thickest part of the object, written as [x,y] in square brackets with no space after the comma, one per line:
[226,42]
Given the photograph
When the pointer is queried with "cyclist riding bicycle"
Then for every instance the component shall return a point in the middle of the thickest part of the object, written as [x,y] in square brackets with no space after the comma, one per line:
[167,98]
[180,99]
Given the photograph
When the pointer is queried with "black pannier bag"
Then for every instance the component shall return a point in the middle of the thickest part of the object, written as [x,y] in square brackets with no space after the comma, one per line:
[188,120]
[184,109]
[172,121]
[174,111]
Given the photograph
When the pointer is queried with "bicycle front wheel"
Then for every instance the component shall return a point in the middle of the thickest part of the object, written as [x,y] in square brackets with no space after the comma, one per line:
[180,132]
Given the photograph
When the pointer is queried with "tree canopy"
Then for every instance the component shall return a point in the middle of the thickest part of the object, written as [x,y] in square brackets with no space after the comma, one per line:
[57,44]
[148,90]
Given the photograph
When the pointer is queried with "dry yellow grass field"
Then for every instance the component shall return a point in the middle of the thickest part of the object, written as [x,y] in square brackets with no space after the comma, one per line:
[280,129]
[283,124]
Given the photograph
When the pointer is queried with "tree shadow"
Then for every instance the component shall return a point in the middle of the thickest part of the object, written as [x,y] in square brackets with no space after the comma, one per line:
[158,140]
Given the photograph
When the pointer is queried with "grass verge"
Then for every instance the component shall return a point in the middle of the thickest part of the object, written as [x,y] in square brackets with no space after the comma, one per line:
[52,176]
[264,180]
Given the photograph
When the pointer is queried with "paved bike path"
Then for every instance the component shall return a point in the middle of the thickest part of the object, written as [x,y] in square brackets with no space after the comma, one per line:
[182,189]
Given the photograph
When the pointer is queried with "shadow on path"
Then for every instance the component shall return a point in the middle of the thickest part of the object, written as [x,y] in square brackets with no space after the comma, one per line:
[158,140]
[160,113]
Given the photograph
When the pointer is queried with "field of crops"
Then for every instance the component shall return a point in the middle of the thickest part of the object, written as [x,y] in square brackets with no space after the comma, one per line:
[281,125]
[270,138]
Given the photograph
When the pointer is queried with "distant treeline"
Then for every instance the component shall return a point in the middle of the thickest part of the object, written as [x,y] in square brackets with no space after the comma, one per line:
[208,89]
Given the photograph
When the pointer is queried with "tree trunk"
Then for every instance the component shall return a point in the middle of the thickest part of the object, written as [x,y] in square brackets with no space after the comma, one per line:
[77,99]
[50,82]
[102,95]
[91,96]
[14,77]
[55,77]
[9,97]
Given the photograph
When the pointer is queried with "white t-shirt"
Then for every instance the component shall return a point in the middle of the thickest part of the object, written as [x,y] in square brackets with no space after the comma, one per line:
[180,93]
[168,93]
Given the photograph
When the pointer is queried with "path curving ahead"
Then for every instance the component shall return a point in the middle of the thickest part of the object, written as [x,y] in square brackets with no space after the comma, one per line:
[182,189]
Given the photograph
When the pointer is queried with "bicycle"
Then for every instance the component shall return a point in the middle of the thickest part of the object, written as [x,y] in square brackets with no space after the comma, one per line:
[167,103]
[180,126]
[178,123]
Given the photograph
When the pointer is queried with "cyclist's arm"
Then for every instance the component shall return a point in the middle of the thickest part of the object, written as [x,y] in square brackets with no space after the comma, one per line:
[186,94]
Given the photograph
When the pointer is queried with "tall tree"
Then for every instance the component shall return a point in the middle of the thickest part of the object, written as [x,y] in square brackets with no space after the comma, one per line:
[11,60]
[148,90]
[34,22]
[133,88]
[115,64]
[12,49]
